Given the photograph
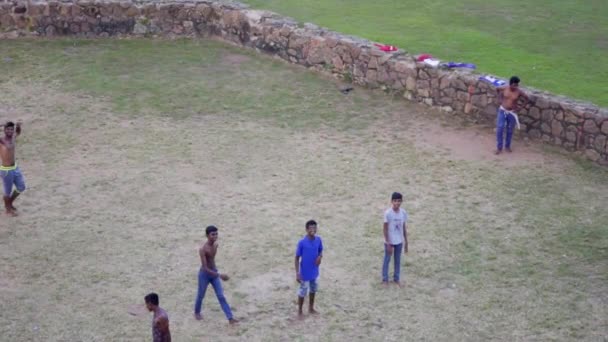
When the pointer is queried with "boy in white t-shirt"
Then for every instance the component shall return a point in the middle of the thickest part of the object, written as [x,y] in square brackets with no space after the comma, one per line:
[395,237]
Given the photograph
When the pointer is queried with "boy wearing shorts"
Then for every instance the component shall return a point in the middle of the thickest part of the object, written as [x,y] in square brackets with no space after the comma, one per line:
[308,258]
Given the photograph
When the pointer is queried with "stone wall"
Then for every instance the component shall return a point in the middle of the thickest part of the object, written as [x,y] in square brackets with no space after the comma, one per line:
[573,125]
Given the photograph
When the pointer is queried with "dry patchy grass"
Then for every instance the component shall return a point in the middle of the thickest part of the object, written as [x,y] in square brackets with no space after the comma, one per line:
[132,147]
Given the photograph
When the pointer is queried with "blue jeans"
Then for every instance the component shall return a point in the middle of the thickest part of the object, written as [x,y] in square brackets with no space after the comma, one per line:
[203,282]
[397,249]
[11,175]
[503,119]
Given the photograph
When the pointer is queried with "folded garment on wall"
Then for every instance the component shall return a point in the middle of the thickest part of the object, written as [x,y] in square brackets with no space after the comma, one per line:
[493,80]
[386,48]
[459,65]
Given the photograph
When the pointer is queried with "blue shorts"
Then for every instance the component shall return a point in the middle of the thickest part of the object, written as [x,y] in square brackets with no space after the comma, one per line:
[11,175]
[305,286]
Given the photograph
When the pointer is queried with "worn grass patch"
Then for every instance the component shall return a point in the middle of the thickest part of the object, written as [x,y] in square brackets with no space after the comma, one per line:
[131,148]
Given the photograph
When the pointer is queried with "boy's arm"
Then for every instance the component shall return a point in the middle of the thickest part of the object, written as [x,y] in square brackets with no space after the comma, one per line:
[385,229]
[404,237]
[297,265]
[320,254]
[525,103]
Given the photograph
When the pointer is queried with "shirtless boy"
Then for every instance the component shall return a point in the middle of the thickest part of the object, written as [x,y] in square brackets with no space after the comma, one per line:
[208,273]
[9,171]
[507,112]
[160,321]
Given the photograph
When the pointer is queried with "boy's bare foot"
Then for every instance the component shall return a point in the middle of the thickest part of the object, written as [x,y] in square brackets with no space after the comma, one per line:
[198,317]
[313,312]
[398,283]
[509,149]
[385,283]
[11,212]
[233,321]
[300,315]
[497,152]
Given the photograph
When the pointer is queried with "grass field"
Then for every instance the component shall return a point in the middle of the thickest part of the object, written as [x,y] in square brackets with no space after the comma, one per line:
[559,46]
[130,148]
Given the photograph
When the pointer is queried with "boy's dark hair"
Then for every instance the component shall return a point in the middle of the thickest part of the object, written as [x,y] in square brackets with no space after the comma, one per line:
[514,80]
[396,196]
[151,298]
[9,124]
[210,230]
[310,223]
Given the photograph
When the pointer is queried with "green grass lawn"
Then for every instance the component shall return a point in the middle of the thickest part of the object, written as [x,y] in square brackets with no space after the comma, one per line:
[559,46]
[131,147]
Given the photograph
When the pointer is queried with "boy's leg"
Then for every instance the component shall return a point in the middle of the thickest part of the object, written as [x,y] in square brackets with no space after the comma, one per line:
[203,282]
[510,126]
[313,290]
[7,182]
[219,292]
[19,185]
[301,295]
[398,249]
[387,260]
[500,125]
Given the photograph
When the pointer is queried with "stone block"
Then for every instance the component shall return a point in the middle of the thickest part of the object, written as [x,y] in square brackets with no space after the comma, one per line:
[600,143]
[132,11]
[384,59]
[556,128]
[571,118]
[605,127]
[542,103]
[592,154]
[590,126]
[6,21]
[371,75]
[423,92]
[545,128]
[449,92]
[423,75]
[422,84]
[534,133]
[446,100]
[571,135]
[403,66]
[50,30]
[444,83]
[479,100]
[410,83]
[65,9]
[534,112]
[373,63]
[547,115]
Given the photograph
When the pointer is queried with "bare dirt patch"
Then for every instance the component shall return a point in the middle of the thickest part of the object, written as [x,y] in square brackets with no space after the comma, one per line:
[235,59]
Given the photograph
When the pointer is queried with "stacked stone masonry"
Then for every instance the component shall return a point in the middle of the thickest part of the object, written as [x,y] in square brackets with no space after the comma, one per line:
[573,125]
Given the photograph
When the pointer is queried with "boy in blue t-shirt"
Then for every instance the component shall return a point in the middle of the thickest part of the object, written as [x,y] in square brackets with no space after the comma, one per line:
[308,258]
